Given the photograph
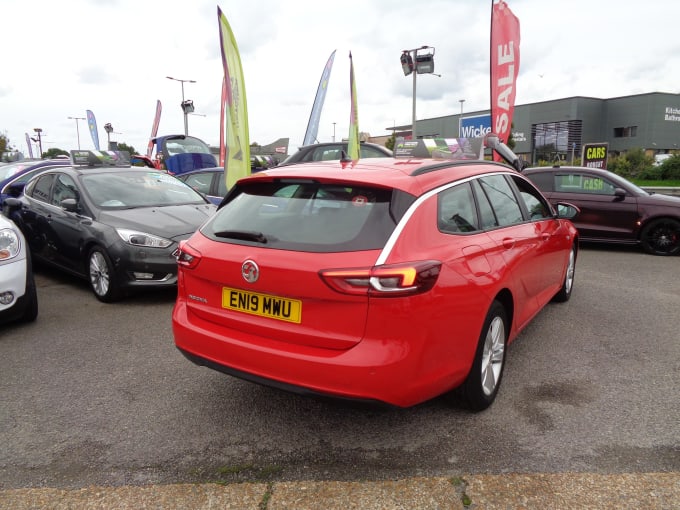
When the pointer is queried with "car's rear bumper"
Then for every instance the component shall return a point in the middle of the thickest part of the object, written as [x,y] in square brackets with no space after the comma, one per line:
[380,370]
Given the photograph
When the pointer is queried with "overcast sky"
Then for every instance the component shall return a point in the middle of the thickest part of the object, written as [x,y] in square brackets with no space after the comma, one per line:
[112,57]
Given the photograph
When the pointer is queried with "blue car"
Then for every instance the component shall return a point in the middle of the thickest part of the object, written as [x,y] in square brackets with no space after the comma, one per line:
[14,176]
[179,154]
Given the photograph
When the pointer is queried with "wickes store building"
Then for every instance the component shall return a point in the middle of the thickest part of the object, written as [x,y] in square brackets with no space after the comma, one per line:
[553,130]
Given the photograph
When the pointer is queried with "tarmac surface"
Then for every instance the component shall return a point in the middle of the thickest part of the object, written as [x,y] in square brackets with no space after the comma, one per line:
[649,491]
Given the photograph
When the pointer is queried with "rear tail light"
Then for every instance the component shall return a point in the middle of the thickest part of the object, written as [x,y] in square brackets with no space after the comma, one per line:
[387,280]
[188,257]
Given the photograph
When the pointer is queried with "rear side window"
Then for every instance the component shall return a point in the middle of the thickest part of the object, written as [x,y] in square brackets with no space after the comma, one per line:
[543,180]
[41,188]
[456,210]
[200,182]
[308,216]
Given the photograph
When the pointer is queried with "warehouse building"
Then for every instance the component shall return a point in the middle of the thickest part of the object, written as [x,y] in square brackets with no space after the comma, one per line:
[558,129]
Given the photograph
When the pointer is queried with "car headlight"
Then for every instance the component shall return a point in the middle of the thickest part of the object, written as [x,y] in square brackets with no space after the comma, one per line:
[9,244]
[136,238]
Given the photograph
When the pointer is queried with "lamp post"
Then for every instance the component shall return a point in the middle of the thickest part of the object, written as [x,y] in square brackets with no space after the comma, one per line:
[187,106]
[333,131]
[422,64]
[39,132]
[77,128]
[460,119]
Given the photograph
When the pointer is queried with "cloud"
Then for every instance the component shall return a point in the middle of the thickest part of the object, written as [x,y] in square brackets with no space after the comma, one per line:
[112,57]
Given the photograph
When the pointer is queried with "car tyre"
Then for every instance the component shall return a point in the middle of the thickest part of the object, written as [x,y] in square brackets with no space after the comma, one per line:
[661,237]
[482,383]
[102,276]
[567,286]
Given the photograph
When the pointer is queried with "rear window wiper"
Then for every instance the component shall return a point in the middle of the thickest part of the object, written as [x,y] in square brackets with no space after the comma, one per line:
[243,235]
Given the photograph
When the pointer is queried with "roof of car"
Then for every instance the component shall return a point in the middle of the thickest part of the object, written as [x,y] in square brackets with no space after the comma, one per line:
[411,175]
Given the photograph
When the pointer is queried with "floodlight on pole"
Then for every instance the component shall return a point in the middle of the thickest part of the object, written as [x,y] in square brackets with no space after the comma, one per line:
[186,105]
[109,129]
[422,63]
[39,132]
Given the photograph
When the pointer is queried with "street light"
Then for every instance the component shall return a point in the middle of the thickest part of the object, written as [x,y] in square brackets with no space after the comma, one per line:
[187,106]
[422,63]
[77,128]
[460,119]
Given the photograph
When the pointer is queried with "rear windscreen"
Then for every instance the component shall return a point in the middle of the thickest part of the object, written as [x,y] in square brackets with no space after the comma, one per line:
[308,216]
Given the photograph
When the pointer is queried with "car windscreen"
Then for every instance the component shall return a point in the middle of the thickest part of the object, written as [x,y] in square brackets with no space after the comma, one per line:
[138,189]
[187,144]
[308,216]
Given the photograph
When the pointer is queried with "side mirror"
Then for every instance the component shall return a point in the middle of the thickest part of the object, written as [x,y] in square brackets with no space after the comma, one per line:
[15,189]
[566,210]
[69,204]
[619,193]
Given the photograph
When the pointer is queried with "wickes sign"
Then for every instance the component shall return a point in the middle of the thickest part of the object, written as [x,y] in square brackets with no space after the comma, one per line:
[594,155]
[476,126]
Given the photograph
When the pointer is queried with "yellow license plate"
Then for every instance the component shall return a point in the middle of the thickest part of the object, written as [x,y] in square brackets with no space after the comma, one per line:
[264,305]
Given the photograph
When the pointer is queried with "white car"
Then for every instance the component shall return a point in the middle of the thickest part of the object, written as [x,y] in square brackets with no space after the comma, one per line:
[18,297]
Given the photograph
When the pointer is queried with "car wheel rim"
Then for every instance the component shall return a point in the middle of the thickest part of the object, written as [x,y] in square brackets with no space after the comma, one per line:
[569,280]
[99,274]
[664,238]
[492,358]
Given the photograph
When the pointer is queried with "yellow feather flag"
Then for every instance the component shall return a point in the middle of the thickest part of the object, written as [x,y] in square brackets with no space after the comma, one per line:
[236,137]
[353,144]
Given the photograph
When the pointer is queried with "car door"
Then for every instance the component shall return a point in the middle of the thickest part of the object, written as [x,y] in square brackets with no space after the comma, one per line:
[552,248]
[65,229]
[606,213]
[518,241]
[32,216]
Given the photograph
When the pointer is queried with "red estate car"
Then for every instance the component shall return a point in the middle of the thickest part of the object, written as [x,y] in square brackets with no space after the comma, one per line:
[395,280]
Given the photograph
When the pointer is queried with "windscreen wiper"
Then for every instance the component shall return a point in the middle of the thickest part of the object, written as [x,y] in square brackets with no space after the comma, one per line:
[243,235]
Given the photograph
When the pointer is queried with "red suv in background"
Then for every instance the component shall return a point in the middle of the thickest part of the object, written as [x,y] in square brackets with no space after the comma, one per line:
[393,280]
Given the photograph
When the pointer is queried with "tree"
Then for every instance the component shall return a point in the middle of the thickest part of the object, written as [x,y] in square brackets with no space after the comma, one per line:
[54,152]
[126,148]
[389,143]
[4,143]
[631,164]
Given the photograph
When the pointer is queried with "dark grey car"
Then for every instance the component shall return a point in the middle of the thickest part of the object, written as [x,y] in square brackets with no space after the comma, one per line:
[117,227]
[333,151]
